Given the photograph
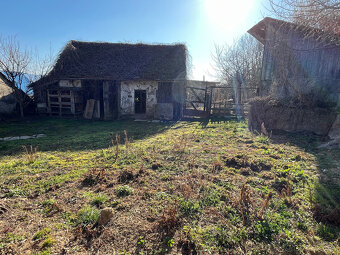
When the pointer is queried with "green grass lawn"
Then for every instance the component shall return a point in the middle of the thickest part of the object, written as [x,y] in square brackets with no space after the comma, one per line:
[175,188]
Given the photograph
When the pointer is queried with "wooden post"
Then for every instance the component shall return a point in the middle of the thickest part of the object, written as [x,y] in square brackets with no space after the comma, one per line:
[72,103]
[59,101]
[210,101]
[48,103]
[205,98]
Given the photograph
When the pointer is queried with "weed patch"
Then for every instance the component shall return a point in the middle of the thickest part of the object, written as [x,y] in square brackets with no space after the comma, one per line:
[87,215]
[189,186]
[41,234]
[123,191]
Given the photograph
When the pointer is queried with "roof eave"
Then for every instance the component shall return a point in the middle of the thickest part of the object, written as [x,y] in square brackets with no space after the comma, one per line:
[259,30]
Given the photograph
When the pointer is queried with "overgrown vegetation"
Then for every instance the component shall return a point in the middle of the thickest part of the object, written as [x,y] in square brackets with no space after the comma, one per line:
[185,187]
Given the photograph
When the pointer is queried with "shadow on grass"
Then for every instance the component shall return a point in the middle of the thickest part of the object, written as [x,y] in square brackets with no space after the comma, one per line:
[213,119]
[73,134]
[326,192]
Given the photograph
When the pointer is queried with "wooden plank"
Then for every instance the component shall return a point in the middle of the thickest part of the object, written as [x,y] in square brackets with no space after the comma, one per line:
[193,101]
[88,114]
[205,98]
[48,104]
[189,112]
[195,88]
[107,98]
[96,112]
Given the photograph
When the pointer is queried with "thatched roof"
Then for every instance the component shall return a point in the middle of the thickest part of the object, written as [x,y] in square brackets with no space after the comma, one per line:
[259,31]
[4,79]
[119,61]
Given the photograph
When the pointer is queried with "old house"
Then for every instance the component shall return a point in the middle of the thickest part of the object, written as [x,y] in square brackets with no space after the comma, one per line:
[300,71]
[113,80]
[8,102]
[298,59]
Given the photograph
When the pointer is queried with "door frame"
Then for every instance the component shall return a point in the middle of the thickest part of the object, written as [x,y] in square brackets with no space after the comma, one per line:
[143,105]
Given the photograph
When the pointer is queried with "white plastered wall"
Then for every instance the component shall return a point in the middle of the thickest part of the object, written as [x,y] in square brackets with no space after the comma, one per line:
[127,101]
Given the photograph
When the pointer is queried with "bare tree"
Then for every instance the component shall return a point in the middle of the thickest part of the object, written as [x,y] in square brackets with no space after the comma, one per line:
[40,65]
[21,67]
[243,59]
[239,68]
[323,14]
[14,63]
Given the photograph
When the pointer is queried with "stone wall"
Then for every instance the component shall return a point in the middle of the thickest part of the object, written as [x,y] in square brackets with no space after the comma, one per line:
[276,116]
[127,103]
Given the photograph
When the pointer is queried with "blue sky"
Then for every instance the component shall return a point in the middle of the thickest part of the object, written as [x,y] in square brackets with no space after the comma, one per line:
[200,24]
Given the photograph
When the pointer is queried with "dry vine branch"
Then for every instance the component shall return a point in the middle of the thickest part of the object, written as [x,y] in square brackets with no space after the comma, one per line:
[323,14]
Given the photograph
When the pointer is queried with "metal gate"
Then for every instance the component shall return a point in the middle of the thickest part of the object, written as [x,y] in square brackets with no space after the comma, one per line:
[205,100]
[197,102]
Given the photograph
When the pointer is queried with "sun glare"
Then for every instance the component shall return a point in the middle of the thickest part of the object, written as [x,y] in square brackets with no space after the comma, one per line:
[227,15]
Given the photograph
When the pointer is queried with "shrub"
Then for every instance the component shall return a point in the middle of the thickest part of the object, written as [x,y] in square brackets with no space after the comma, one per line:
[123,191]
[189,208]
[41,234]
[327,232]
[226,238]
[291,243]
[169,221]
[50,205]
[48,202]
[48,243]
[125,176]
[141,241]
[99,200]
[87,215]
[223,237]
[262,139]
[210,196]
[265,230]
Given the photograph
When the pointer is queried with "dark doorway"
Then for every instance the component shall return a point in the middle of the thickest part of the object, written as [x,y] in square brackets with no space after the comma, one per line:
[140,101]
[110,99]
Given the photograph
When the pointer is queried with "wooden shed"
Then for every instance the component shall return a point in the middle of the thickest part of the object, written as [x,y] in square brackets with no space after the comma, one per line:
[111,80]
[298,59]
[8,101]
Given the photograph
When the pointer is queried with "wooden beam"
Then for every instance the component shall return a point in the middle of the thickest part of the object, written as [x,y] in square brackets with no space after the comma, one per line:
[193,105]
[196,95]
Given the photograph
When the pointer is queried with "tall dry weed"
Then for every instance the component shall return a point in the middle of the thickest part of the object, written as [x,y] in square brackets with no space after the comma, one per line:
[30,152]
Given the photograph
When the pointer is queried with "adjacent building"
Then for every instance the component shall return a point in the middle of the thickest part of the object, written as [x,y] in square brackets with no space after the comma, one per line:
[8,102]
[114,80]
[298,59]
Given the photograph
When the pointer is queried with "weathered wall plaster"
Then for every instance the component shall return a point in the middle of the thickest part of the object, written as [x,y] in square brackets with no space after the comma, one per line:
[164,111]
[8,101]
[127,102]
[70,83]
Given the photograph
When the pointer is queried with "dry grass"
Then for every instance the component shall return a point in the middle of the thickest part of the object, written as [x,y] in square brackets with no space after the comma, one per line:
[187,189]
[30,152]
